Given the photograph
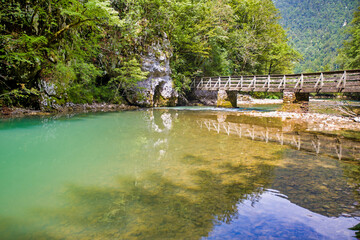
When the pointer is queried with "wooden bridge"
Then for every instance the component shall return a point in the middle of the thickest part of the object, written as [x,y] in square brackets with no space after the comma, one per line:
[295,87]
[327,82]
[334,147]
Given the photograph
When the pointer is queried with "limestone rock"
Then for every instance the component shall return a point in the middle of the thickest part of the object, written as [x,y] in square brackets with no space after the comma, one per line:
[47,87]
[157,89]
[48,91]
[205,97]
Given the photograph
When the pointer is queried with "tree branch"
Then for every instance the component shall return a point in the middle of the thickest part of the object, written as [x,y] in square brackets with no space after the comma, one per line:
[67,27]
[5,78]
[33,16]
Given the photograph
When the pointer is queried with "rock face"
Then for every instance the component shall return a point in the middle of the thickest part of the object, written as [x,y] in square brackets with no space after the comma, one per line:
[158,89]
[204,97]
[227,99]
[295,102]
[47,101]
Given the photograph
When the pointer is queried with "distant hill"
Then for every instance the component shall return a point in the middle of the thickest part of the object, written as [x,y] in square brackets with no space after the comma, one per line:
[316,29]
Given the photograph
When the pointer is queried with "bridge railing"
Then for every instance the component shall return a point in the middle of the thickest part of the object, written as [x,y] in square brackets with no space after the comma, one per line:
[338,81]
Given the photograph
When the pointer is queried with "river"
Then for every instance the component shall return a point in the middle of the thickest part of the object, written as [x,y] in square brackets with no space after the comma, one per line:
[177,173]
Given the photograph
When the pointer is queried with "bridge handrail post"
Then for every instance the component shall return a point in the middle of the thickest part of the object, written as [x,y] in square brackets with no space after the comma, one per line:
[342,80]
[239,83]
[227,82]
[320,81]
[300,81]
[253,83]
[282,82]
[217,83]
[208,83]
[201,82]
[267,82]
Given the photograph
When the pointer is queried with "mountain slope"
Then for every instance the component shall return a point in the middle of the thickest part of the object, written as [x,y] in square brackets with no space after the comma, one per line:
[316,29]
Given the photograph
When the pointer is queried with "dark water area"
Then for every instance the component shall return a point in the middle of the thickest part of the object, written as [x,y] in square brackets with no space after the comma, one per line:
[183,173]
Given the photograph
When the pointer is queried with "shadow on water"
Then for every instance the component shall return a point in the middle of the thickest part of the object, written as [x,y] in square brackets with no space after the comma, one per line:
[154,206]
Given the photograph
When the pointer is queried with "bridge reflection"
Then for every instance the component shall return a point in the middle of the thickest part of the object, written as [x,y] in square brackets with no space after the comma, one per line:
[335,147]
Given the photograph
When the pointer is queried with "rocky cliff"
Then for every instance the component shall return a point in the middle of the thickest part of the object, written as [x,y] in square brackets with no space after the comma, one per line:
[157,89]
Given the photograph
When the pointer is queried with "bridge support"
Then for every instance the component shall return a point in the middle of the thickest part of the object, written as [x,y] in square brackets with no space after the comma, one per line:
[226,99]
[295,102]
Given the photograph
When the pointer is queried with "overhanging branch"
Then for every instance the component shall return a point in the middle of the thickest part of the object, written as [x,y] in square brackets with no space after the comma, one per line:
[69,26]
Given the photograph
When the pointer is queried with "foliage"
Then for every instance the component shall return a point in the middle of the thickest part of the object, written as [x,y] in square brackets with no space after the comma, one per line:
[350,53]
[11,97]
[316,30]
[229,38]
[261,95]
[92,49]
[54,41]
[127,77]
[357,229]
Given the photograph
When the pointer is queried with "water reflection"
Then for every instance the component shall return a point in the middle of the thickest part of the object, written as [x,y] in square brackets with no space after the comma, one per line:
[275,217]
[163,174]
[340,148]
[307,176]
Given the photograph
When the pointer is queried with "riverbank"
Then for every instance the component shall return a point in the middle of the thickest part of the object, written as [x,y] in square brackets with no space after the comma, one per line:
[68,108]
[312,121]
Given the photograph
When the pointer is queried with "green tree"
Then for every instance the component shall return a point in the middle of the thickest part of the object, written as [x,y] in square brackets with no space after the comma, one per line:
[40,38]
[316,30]
[127,77]
[92,49]
[350,53]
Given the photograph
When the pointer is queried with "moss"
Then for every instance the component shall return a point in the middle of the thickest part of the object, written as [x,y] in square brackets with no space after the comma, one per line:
[224,103]
[295,107]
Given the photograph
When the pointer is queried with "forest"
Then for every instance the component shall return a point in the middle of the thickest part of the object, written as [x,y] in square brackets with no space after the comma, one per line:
[93,50]
[317,29]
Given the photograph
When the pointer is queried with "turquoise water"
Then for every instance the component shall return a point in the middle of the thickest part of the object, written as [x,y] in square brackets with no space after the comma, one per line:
[174,174]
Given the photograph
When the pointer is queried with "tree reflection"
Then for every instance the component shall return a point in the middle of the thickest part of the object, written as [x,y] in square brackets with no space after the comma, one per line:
[154,206]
